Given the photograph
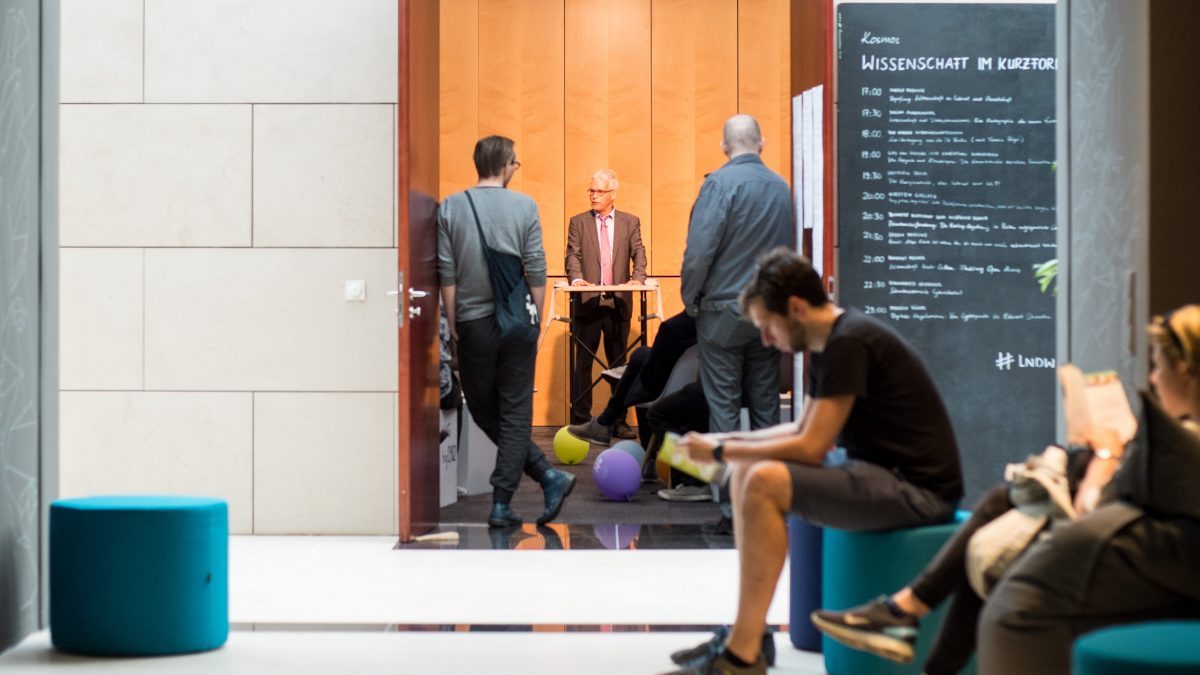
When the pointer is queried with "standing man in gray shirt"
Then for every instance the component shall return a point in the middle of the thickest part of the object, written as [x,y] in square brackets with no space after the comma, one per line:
[497,373]
[743,210]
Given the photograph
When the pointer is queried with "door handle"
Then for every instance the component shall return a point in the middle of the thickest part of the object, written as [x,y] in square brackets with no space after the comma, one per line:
[414,294]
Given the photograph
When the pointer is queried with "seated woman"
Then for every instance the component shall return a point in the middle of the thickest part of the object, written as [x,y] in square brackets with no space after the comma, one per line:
[888,626]
[1135,558]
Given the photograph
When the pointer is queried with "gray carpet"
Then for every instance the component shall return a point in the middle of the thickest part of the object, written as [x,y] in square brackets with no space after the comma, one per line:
[585,506]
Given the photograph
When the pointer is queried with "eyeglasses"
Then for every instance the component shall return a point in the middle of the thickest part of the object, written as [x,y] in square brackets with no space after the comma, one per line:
[516,163]
[599,192]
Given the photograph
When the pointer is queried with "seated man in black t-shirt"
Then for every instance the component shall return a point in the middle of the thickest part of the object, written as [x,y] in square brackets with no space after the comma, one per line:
[871,394]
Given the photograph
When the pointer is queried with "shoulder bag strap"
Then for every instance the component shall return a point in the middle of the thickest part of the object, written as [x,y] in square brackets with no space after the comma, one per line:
[487,250]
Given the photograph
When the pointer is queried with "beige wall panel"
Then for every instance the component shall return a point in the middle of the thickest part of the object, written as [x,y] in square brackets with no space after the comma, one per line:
[459,87]
[271,51]
[694,90]
[178,443]
[764,76]
[323,463]
[608,102]
[323,175]
[101,51]
[100,340]
[269,319]
[162,175]
[521,96]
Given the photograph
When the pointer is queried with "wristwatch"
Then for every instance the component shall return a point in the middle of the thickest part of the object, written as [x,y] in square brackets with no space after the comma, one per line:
[1104,453]
[719,453]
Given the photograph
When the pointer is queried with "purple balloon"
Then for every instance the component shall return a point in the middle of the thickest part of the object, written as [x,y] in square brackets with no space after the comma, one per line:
[616,537]
[617,475]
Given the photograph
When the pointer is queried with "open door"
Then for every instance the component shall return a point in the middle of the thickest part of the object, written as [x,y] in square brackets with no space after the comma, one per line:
[416,292]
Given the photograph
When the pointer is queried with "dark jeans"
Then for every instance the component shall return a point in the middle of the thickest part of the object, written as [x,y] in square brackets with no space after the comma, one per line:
[680,412]
[615,410]
[590,322]
[1086,577]
[946,575]
[497,381]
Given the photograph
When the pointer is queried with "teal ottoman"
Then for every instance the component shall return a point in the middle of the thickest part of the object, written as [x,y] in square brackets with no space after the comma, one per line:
[859,566]
[139,575]
[1155,648]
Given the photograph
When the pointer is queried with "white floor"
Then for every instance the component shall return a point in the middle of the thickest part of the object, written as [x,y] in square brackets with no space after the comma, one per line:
[324,583]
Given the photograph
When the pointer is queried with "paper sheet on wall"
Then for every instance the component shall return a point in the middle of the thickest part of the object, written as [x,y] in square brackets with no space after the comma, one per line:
[816,174]
[808,184]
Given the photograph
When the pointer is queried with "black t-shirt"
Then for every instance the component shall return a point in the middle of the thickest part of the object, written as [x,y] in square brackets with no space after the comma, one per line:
[898,420]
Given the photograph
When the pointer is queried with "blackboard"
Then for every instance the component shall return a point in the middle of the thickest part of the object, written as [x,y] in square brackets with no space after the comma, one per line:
[946,202]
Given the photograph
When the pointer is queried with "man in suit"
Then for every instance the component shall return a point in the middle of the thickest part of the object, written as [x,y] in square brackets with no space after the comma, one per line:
[601,244]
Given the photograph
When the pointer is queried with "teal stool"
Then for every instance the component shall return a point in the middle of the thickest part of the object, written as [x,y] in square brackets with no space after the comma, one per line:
[1155,648]
[859,566]
[137,576]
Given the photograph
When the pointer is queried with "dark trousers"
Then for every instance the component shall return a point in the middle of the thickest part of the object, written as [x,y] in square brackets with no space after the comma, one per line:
[615,410]
[590,322]
[1086,577]
[946,576]
[497,381]
[680,412]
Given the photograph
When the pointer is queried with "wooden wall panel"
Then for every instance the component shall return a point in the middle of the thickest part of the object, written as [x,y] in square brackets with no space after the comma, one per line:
[550,381]
[639,86]
[672,302]
[807,44]
[521,58]
[608,102]
[693,91]
[521,96]
[458,87]
[764,76]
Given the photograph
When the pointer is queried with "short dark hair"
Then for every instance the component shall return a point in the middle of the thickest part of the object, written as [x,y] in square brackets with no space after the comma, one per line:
[780,274]
[492,154]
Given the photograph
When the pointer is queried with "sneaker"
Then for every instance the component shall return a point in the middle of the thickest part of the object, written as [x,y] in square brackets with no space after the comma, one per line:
[687,493]
[718,664]
[613,374]
[592,432]
[871,628]
[716,643]
[623,430]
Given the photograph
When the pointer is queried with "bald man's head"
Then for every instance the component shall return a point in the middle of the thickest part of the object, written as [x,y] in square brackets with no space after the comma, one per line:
[742,136]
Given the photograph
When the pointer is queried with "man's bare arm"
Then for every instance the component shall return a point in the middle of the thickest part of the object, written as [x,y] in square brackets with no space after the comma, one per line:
[823,420]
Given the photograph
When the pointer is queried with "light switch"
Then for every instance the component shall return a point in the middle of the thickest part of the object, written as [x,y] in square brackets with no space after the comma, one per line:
[356,290]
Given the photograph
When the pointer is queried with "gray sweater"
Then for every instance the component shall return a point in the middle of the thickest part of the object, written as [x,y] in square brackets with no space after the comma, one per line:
[510,223]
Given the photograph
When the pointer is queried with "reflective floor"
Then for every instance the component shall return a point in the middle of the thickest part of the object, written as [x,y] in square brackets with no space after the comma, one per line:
[357,653]
[358,605]
[556,536]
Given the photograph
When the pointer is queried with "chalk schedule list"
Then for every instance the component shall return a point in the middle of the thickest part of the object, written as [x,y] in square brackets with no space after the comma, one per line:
[946,202]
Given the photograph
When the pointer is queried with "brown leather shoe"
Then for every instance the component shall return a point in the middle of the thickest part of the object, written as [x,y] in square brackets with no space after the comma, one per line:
[623,430]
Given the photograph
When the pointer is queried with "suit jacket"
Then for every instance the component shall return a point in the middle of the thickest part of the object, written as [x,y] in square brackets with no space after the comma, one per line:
[583,254]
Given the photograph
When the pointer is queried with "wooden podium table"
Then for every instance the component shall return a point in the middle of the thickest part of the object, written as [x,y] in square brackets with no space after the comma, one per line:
[650,286]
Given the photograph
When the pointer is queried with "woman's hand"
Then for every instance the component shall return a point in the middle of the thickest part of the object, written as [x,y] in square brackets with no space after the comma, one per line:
[1108,449]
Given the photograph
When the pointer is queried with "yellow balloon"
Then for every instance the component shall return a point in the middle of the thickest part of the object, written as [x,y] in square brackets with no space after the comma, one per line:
[568,449]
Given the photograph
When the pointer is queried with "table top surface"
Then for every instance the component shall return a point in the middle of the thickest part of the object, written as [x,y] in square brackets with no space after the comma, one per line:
[650,285]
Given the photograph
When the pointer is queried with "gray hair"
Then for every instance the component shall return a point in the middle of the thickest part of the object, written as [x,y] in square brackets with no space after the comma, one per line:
[608,176]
